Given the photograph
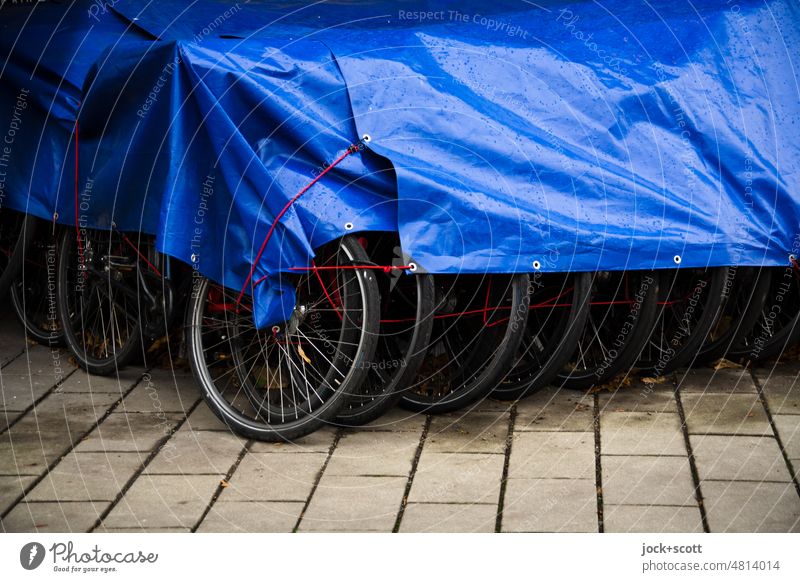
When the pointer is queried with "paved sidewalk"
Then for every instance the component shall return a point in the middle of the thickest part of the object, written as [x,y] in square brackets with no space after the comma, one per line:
[699,451]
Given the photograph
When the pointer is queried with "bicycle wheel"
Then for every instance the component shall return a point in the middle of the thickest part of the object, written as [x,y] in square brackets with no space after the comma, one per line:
[749,289]
[98,297]
[620,317]
[33,291]
[16,232]
[559,305]
[405,331]
[778,324]
[287,380]
[690,302]
[478,328]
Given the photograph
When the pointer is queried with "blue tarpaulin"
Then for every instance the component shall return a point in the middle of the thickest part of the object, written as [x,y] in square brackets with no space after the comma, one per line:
[558,136]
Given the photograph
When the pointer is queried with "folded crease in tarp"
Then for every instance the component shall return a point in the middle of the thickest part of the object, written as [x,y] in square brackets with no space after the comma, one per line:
[564,136]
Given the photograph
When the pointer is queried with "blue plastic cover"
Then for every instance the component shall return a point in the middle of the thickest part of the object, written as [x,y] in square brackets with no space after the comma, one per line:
[558,136]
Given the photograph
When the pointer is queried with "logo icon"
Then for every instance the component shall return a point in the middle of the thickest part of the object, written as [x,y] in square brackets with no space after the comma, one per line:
[31,555]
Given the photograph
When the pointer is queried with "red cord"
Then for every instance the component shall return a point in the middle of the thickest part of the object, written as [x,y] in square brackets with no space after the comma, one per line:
[141,256]
[350,150]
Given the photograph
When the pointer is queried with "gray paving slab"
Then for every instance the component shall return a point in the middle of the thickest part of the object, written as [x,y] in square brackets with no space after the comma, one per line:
[274,477]
[11,487]
[30,376]
[555,410]
[118,383]
[354,504]
[788,427]
[457,478]
[639,397]
[319,441]
[709,380]
[640,480]
[397,420]
[87,477]
[374,453]
[449,518]
[740,414]
[739,458]
[781,388]
[202,418]
[164,501]
[163,391]
[474,432]
[197,452]
[742,506]
[550,505]
[641,433]
[651,519]
[137,431]
[53,517]
[567,455]
[252,517]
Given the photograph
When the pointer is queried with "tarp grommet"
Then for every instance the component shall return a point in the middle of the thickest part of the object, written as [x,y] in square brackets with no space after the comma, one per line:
[412,267]
[537,265]
[348,226]
[677,259]
[366,138]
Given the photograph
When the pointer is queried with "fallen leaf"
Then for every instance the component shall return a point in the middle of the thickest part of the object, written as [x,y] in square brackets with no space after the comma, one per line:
[303,354]
[657,380]
[223,483]
[722,364]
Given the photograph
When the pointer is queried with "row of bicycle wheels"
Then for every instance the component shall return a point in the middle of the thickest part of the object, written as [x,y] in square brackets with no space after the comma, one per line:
[364,337]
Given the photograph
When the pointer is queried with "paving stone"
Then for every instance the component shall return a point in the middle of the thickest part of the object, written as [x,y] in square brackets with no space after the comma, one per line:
[552,454]
[550,505]
[641,433]
[741,458]
[319,441]
[354,504]
[202,418]
[647,481]
[164,501]
[48,516]
[709,380]
[397,420]
[87,477]
[29,453]
[118,383]
[781,389]
[742,506]
[197,452]
[274,477]
[46,433]
[639,397]
[163,391]
[29,377]
[457,478]
[555,410]
[725,414]
[651,519]
[138,530]
[137,431]
[475,432]
[12,339]
[374,453]
[11,487]
[449,517]
[788,427]
[252,517]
